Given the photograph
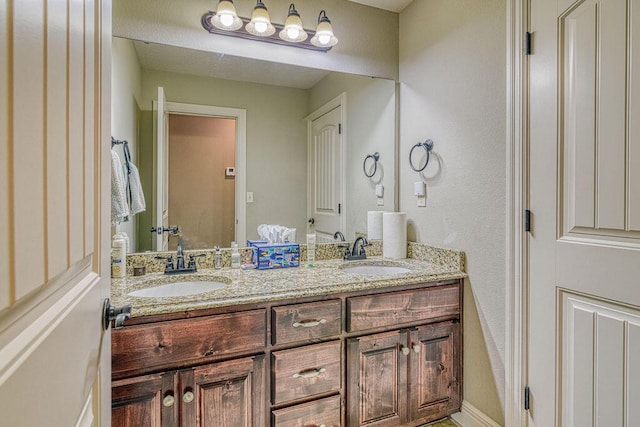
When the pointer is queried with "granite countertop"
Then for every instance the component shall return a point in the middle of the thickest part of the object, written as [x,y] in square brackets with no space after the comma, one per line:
[255,286]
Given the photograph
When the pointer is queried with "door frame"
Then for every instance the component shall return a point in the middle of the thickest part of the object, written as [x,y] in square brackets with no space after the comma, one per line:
[517,173]
[338,101]
[240,115]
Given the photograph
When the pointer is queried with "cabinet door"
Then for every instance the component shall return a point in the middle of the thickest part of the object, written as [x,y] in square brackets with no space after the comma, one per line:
[226,394]
[434,371]
[377,380]
[145,401]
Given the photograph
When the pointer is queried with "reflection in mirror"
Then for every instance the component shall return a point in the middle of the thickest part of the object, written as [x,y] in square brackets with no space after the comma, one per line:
[283,183]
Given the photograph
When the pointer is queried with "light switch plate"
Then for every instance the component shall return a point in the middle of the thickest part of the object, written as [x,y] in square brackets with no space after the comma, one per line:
[380,201]
[249,196]
[422,202]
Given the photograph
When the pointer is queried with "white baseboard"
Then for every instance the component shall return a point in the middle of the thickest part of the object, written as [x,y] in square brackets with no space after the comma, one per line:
[470,416]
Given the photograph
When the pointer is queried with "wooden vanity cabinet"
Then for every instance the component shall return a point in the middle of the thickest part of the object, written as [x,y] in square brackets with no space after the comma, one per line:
[383,357]
[225,394]
[403,377]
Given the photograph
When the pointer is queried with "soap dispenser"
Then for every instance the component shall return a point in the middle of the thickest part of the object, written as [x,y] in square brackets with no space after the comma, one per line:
[218,258]
[235,255]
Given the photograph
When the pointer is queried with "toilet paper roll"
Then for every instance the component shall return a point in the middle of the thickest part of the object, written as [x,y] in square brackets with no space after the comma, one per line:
[394,235]
[374,225]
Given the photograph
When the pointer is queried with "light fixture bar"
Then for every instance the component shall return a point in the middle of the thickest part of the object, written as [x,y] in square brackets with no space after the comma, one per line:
[274,38]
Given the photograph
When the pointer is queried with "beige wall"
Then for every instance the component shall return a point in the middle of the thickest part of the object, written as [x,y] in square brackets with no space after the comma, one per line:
[276,140]
[452,73]
[201,197]
[368,36]
[370,127]
[126,88]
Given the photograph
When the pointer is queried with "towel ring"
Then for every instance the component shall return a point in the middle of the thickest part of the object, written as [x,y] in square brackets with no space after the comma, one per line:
[428,146]
[375,156]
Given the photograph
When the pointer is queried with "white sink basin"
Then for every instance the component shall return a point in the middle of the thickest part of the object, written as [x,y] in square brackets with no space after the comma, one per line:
[374,270]
[178,289]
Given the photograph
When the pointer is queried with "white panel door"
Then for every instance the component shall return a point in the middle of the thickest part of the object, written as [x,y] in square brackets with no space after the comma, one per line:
[584,193]
[162,170]
[325,163]
[55,364]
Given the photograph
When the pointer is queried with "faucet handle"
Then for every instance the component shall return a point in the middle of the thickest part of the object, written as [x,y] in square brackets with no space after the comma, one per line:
[192,260]
[168,265]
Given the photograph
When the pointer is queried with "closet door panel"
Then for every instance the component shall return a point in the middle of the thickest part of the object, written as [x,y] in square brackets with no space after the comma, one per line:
[57,227]
[89,126]
[4,164]
[27,143]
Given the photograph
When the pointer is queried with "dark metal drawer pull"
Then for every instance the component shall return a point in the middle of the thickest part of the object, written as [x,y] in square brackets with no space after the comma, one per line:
[309,323]
[309,373]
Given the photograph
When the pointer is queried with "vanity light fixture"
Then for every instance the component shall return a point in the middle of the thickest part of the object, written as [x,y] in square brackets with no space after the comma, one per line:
[225,21]
[260,24]
[324,32]
[226,17]
[293,30]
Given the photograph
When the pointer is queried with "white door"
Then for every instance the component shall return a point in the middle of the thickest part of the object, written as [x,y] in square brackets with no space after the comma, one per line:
[326,208]
[584,246]
[55,363]
[161,147]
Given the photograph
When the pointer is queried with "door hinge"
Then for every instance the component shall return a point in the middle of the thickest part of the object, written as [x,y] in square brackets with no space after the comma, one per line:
[527,43]
[527,398]
[339,128]
[527,220]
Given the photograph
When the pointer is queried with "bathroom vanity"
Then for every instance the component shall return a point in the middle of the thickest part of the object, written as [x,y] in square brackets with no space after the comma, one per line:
[293,347]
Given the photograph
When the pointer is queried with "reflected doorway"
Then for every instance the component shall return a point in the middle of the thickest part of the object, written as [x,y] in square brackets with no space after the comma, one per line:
[201,168]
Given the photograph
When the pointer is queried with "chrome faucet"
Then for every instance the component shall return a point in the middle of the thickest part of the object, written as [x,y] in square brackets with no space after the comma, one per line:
[179,267]
[180,255]
[358,251]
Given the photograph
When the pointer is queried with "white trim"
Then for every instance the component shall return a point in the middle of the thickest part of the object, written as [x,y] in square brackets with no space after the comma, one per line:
[86,416]
[517,201]
[470,416]
[241,154]
[338,101]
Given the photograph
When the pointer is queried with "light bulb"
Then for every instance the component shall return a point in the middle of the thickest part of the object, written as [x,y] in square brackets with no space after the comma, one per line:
[260,27]
[226,19]
[293,33]
[324,38]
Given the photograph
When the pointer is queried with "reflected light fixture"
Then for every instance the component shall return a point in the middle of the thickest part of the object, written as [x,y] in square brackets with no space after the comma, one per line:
[293,30]
[324,32]
[226,17]
[260,24]
[225,21]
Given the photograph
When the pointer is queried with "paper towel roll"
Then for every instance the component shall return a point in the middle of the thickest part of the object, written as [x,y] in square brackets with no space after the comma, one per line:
[394,235]
[374,225]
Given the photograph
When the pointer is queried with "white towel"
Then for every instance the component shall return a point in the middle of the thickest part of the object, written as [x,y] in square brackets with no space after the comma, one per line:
[119,205]
[136,195]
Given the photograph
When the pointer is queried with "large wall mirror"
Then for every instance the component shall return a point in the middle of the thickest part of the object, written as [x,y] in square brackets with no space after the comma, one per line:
[250,142]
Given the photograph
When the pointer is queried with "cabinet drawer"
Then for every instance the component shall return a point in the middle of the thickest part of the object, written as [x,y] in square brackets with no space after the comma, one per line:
[186,342]
[322,412]
[304,322]
[306,371]
[396,308]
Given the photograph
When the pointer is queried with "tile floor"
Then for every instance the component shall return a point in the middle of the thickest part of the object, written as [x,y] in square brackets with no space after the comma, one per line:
[442,423]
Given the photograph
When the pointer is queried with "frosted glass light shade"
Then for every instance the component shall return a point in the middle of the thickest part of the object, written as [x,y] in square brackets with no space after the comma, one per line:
[324,36]
[260,24]
[293,30]
[226,17]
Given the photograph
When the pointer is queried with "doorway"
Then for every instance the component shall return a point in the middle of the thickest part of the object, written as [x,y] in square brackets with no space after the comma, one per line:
[237,176]
[201,168]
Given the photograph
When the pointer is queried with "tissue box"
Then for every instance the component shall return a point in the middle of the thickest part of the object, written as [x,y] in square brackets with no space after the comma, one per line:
[274,255]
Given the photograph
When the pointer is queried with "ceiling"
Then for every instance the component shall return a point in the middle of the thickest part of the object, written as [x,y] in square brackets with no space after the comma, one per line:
[390,5]
[208,64]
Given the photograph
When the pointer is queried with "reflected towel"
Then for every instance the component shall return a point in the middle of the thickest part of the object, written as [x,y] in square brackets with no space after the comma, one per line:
[136,195]
[119,204]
